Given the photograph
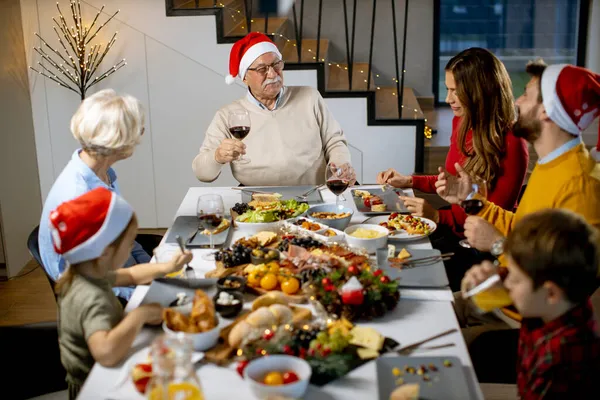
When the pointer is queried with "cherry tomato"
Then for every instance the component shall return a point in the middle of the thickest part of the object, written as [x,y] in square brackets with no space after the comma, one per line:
[290,377]
[378,272]
[384,279]
[367,202]
[269,281]
[288,350]
[290,286]
[393,215]
[353,270]
[241,367]
[329,288]
[326,281]
[273,379]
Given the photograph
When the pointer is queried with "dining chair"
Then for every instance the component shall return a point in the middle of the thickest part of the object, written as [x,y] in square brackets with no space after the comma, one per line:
[34,249]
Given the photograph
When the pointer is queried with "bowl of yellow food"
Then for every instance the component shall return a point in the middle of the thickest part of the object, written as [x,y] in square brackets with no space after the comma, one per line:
[367,236]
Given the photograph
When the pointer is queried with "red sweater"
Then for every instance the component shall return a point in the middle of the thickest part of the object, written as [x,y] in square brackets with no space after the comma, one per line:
[508,184]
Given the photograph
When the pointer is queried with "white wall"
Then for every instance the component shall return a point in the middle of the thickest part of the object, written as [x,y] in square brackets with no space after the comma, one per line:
[593,38]
[176,68]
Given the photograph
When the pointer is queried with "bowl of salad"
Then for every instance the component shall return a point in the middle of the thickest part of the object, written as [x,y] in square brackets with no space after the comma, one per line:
[266,212]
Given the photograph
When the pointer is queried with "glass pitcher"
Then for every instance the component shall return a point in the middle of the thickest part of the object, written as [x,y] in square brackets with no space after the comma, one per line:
[174,375]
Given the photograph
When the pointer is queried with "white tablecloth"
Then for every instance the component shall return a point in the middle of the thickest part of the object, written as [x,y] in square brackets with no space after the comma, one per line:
[420,313]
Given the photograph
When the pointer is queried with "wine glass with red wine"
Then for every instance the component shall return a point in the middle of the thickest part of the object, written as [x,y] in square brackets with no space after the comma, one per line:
[239,127]
[473,205]
[338,178]
[210,211]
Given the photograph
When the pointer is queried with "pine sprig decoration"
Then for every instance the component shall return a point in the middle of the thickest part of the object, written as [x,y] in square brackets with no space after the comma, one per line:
[75,63]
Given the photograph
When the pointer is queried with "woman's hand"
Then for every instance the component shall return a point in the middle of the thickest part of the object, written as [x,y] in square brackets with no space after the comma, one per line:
[476,275]
[229,150]
[392,177]
[453,189]
[178,261]
[421,208]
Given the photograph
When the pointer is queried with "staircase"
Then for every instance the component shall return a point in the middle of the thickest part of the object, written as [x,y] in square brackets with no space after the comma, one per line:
[335,79]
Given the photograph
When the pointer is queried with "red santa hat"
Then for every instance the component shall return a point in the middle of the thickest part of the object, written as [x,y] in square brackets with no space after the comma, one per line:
[84,227]
[245,51]
[572,98]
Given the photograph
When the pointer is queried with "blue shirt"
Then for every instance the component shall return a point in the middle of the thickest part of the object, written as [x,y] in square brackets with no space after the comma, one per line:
[554,154]
[74,180]
[253,100]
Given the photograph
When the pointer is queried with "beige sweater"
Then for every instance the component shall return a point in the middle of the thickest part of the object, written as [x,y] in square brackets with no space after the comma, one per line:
[290,145]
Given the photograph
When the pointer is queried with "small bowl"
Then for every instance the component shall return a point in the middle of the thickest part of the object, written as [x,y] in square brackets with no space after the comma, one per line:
[258,368]
[370,245]
[250,228]
[263,260]
[340,223]
[231,310]
[202,341]
[222,287]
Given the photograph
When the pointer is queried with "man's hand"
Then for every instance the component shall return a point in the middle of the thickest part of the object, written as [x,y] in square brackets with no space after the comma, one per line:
[480,233]
[476,275]
[454,189]
[229,150]
[392,177]
[177,262]
[421,208]
[344,171]
[151,314]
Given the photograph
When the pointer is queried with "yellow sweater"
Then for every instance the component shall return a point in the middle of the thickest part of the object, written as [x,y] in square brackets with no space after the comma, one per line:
[571,181]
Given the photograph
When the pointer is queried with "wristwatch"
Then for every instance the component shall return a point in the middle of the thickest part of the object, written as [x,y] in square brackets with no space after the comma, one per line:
[498,247]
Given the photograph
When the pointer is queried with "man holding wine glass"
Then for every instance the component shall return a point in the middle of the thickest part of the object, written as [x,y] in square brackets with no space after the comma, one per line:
[275,135]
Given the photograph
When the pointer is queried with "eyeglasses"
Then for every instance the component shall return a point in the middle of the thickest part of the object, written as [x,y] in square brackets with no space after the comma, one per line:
[263,70]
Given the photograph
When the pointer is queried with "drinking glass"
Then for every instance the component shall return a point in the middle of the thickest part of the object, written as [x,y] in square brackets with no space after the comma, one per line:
[239,127]
[165,253]
[338,178]
[210,211]
[472,205]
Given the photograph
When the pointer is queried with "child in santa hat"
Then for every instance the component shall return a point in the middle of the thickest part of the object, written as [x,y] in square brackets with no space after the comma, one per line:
[95,233]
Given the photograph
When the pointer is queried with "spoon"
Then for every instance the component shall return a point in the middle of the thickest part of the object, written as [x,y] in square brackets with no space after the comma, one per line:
[189,271]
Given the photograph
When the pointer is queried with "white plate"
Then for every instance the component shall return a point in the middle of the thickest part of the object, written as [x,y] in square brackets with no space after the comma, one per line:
[402,235]
[124,386]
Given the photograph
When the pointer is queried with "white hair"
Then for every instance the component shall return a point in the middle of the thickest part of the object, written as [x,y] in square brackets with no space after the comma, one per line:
[106,123]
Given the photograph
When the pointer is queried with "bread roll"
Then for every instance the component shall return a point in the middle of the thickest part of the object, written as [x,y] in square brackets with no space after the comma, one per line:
[272,297]
[282,313]
[261,317]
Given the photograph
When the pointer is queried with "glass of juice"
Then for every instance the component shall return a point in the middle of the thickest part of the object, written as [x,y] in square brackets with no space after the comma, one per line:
[490,294]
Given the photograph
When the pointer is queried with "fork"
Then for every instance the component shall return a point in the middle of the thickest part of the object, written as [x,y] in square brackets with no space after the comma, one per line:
[189,271]
[304,196]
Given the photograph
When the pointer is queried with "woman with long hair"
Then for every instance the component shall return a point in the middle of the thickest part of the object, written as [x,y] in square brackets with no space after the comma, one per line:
[482,142]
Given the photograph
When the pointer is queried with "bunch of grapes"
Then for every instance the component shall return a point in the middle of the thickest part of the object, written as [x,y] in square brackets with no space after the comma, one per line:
[241,208]
[306,242]
[326,344]
[302,337]
[311,274]
[235,256]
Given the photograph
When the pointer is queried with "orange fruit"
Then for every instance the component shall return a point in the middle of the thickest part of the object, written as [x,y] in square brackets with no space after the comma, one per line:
[290,286]
[269,281]
[273,379]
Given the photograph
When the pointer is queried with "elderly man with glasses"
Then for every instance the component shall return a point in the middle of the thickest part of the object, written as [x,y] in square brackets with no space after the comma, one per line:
[292,134]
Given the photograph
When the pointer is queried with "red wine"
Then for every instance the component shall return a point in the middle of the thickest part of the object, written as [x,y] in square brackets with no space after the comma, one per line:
[338,186]
[210,221]
[239,132]
[472,207]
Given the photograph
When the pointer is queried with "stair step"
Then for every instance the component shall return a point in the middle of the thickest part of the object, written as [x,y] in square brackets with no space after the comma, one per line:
[309,50]
[338,77]
[387,104]
[275,25]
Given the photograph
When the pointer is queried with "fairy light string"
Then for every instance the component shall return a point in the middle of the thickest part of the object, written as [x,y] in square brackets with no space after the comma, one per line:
[74,64]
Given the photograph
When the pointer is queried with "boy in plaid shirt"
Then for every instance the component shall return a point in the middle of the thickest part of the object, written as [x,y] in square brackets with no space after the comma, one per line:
[553,261]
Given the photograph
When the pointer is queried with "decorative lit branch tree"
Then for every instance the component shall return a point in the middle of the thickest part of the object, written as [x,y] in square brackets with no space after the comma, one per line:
[79,60]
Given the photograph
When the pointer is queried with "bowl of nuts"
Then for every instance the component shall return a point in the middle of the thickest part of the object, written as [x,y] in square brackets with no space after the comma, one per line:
[332,215]
[264,256]
[231,284]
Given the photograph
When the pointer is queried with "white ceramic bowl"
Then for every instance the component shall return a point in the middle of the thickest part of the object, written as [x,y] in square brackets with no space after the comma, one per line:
[339,224]
[370,245]
[252,228]
[202,341]
[257,369]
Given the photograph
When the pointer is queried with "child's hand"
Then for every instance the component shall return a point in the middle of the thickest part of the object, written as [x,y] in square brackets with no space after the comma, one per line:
[151,313]
[178,262]
[476,275]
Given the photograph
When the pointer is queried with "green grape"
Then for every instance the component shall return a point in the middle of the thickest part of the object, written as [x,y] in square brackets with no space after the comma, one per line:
[313,344]
[322,337]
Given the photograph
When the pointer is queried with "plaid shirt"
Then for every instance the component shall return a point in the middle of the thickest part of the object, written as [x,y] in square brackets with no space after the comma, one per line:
[559,358]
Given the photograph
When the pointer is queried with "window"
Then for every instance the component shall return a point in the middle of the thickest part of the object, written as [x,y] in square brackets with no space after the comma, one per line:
[515,30]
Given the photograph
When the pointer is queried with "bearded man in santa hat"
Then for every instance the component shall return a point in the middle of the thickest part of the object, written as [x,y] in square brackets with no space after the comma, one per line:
[293,135]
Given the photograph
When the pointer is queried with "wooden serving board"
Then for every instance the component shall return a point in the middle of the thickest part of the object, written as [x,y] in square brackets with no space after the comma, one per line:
[223,354]
[299,298]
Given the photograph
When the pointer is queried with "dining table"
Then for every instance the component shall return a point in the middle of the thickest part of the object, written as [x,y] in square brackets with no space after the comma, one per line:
[420,313]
